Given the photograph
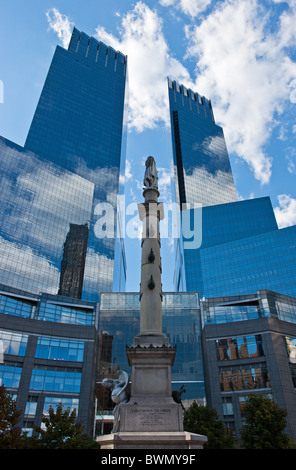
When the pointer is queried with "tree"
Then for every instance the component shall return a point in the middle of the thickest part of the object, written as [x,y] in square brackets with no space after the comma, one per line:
[265,424]
[203,420]
[63,431]
[10,433]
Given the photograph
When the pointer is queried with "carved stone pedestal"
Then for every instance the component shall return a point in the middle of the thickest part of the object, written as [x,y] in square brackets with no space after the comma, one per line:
[151,419]
[152,440]
[151,406]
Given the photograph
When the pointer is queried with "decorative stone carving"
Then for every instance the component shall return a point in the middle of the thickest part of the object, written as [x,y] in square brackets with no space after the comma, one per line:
[151,283]
[118,395]
[151,256]
[151,174]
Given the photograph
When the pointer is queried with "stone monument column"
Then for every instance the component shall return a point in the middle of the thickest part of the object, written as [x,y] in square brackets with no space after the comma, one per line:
[150,213]
[151,418]
[151,406]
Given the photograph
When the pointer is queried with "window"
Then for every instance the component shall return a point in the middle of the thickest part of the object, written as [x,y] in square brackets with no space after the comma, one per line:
[70,402]
[31,405]
[244,377]
[13,306]
[60,349]
[28,427]
[13,343]
[62,314]
[230,428]
[10,375]
[55,380]
[239,347]
[293,373]
[290,343]
[227,406]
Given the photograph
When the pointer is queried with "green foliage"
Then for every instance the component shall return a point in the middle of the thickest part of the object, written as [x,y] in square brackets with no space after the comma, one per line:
[9,416]
[203,420]
[265,425]
[63,431]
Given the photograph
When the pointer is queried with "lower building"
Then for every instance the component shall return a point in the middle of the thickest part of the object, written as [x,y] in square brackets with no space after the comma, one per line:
[249,346]
[119,323]
[48,348]
[56,349]
[227,348]
[241,250]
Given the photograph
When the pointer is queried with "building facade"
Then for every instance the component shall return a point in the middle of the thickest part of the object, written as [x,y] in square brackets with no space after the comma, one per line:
[249,347]
[242,251]
[49,347]
[227,348]
[56,349]
[227,247]
[119,323]
[202,168]
[40,201]
[66,176]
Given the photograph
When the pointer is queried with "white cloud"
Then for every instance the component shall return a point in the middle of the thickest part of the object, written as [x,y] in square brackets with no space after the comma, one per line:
[246,72]
[128,174]
[285,213]
[42,196]
[211,188]
[291,165]
[292,85]
[189,7]
[26,270]
[61,25]
[241,64]
[149,62]
[98,274]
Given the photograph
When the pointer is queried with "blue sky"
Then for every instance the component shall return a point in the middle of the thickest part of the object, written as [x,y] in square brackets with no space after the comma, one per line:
[238,53]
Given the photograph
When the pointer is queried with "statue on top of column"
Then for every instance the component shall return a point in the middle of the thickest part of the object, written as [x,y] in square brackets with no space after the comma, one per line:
[151,174]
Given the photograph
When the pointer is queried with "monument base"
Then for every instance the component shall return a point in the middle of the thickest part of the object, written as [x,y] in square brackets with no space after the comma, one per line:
[151,417]
[152,440]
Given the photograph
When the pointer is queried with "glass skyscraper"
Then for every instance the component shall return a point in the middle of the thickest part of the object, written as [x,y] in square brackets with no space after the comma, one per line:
[202,168]
[242,250]
[240,247]
[39,202]
[54,262]
[56,188]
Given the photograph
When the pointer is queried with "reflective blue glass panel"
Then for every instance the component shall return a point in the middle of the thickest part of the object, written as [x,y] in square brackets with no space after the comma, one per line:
[263,303]
[40,202]
[13,343]
[59,349]
[10,376]
[67,402]
[242,251]
[12,306]
[119,323]
[55,381]
[31,407]
[62,314]
[80,124]
[202,167]
[266,261]
[239,347]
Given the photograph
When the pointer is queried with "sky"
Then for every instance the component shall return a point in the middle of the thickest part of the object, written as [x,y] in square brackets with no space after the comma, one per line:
[239,53]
